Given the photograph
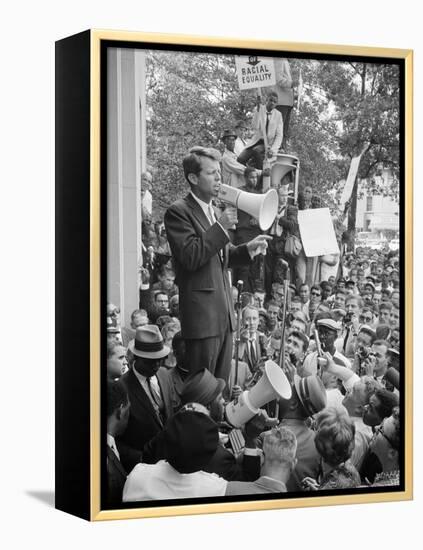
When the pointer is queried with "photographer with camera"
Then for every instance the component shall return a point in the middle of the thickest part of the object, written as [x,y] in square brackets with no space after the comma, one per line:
[346,343]
[376,363]
[365,338]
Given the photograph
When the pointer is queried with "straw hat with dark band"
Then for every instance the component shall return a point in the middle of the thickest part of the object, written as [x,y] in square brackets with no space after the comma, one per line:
[148,343]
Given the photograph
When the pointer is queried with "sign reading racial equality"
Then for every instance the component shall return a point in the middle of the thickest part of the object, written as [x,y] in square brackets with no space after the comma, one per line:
[255,72]
[317,232]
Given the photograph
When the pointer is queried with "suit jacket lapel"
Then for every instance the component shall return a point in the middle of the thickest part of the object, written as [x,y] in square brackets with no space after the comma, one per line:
[198,212]
[113,458]
[143,400]
[165,391]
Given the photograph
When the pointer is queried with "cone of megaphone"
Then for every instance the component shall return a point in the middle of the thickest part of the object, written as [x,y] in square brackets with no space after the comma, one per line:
[262,207]
[281,167]
[272,385]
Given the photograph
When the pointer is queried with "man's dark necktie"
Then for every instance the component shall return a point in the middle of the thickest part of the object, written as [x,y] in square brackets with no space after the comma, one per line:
[253,355]
[156,398]
[267,121]
[346,339]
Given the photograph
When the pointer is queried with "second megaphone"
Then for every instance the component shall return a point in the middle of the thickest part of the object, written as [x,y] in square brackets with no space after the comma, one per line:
[272,385]
[262,207]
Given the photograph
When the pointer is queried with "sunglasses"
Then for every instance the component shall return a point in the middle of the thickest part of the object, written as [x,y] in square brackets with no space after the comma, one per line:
[315,293]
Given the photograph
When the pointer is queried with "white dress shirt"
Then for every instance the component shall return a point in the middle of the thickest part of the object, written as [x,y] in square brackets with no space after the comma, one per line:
[112,444]
[162,481]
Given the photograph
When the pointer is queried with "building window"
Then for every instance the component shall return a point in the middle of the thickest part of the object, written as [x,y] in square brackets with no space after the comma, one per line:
[369,203]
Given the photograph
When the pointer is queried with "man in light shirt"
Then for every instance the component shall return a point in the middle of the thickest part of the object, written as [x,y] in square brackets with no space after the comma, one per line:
[232,170]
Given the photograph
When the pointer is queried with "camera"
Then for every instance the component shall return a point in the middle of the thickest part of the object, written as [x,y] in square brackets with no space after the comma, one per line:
[363,352]
[348,317]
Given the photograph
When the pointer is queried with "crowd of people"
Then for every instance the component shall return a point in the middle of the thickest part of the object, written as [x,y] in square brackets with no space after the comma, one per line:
[198,340]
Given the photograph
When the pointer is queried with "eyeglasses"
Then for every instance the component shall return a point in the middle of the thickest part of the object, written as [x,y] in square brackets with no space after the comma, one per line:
[365,319]
[315,293]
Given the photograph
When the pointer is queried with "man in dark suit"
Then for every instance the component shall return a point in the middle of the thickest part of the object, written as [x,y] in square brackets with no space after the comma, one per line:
[117,420]
[200,246]
[150,393]
[252,346]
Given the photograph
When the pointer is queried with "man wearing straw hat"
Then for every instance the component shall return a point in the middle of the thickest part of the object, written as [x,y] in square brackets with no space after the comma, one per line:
[150,393]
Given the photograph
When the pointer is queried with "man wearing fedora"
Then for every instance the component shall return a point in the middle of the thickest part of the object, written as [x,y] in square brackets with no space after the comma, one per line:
[232,170]
[202,254]
[150,393]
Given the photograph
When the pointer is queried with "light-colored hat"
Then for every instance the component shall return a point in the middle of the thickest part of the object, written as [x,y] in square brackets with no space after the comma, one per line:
[329,323]
[148,343]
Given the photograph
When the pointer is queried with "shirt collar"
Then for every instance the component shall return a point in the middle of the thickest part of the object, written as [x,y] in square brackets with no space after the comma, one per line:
[141,379]
[112,444]
[204,206]
[110,441]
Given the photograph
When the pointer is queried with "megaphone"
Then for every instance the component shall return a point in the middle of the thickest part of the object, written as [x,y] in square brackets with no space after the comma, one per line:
[272,385]
[262,207]
[281,167]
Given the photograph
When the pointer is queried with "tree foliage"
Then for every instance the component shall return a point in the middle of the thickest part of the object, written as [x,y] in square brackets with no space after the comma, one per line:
[193,97]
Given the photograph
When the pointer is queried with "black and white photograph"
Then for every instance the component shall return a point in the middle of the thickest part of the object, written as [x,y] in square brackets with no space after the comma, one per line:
[253,311]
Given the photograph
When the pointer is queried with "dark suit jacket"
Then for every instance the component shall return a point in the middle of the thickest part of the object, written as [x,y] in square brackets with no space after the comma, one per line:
[205,300]
[262,485]
[143,423]
[116,477]
[260,350]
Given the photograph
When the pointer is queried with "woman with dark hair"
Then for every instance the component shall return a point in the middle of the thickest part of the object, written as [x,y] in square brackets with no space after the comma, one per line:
[334,440]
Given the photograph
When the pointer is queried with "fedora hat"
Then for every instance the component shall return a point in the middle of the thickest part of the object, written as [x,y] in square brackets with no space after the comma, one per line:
[228,133]
[241,124]
[311,392]
[148,343]
[202,387]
